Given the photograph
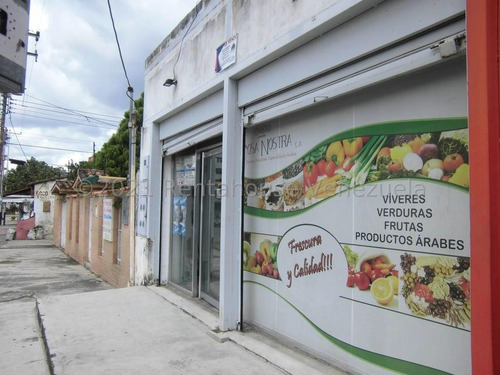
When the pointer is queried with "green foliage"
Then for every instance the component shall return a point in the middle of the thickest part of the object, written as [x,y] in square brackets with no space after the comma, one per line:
[113,156]
[33,170]
[73,167]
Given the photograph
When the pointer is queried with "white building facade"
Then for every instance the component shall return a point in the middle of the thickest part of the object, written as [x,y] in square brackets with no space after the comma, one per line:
[43,207]
[295,173]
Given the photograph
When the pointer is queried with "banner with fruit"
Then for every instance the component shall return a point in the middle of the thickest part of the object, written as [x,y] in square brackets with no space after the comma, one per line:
[366,228]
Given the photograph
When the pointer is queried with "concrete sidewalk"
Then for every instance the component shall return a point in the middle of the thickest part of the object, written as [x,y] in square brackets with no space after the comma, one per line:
[56,317]
[146,330]
[22,349]
[30,270]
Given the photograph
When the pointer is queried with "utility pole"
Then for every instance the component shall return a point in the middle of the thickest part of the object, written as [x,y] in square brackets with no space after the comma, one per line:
[2,152]
[131,181]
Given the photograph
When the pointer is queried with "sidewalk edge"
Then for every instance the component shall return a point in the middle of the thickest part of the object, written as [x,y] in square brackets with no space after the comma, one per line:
[48,355]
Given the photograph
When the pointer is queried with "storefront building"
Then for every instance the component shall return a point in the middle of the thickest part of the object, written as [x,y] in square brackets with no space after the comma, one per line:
[315,169]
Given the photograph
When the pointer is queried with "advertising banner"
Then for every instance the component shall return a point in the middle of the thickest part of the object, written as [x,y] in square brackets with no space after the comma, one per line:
[356,244]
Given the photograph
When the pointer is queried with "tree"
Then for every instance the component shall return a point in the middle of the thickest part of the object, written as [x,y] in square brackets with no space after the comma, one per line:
[33,170]
[73,168]
[114,154]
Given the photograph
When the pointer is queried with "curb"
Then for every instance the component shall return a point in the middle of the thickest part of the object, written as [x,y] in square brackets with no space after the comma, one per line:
[24,245]
[48,356]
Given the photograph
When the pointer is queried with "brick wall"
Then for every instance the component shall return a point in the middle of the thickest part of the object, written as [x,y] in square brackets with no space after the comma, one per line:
[85,228]
[75,228]
[57,219]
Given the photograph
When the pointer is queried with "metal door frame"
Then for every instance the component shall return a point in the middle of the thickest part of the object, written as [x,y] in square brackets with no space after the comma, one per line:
[203,154]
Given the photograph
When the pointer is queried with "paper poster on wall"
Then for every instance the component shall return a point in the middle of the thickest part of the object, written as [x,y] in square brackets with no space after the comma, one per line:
[107,219]
[179,217]
[225,55]
[362,235]
[185,170]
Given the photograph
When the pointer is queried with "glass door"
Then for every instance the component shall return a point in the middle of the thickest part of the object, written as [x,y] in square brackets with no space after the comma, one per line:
[210,226]
[183,261]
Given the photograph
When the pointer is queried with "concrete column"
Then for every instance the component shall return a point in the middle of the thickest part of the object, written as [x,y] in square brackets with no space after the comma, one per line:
[231,220]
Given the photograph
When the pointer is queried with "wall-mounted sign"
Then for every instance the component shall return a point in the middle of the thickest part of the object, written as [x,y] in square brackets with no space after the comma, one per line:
[226,54]
[107,219]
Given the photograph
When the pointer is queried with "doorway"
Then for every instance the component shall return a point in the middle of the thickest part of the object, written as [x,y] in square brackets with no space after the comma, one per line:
[210,225]
[195,225]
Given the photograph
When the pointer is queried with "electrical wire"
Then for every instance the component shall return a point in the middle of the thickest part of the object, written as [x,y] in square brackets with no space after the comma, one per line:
[54,148]
[36,107]
[30,112]
[65,121]
[182,41]
[74,111]
[55,116]
[15,133]
[66,140]
[120,50]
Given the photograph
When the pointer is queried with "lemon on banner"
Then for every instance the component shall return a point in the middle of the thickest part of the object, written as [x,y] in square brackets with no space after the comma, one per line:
[382,291]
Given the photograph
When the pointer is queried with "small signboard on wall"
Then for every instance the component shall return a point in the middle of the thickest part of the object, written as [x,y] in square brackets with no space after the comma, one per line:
[107,219]
[226,54]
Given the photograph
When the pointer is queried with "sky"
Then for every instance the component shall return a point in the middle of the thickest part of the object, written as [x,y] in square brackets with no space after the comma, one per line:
[75,93]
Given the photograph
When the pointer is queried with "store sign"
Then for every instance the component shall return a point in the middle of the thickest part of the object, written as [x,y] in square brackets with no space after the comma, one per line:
[107,219]
[357,243]
[225,55]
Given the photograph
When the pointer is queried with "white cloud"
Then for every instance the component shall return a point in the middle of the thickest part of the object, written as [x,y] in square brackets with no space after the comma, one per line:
[79,68]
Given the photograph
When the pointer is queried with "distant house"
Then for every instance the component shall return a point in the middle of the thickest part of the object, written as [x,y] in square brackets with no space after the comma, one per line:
[16,205]
[30,209]
[43,208]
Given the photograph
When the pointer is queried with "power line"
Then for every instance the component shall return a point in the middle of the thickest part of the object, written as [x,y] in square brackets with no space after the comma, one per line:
[15,133]
[55,116]
[30,111]
[51,137]
[118,45]
[67,122]
[74,112]
[65,109]
[55,148]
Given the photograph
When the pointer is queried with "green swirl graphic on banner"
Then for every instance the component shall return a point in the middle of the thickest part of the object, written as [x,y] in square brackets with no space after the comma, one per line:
[390,363]
[428,150]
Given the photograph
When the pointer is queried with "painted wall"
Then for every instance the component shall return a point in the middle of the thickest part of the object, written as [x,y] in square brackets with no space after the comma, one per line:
[109,258]
[288,25]
[44,208]
[104,256]
[257,24]
[277,51]
[58,202]
[76,239]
